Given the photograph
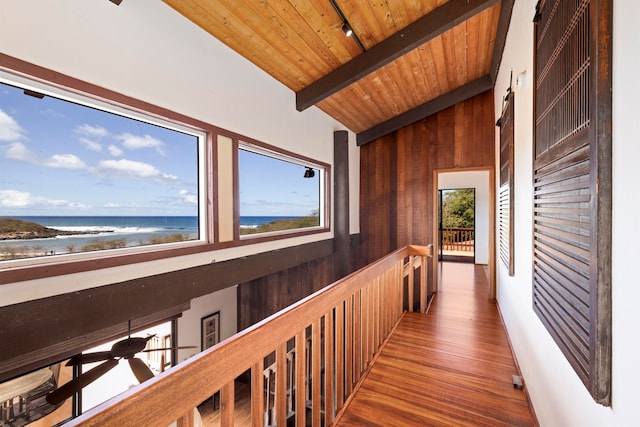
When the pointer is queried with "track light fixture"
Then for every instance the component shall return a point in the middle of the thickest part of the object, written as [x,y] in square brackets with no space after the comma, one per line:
[309,173]
[346,29]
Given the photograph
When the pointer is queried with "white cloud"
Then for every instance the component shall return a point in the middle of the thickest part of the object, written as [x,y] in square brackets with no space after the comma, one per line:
[111,205]
[188,198]
[19,151]
[131,169]
[134,142]
[92,131]
[20,199]
[88,135]
[65,161]
[91,145]
[115,151]
[10,130]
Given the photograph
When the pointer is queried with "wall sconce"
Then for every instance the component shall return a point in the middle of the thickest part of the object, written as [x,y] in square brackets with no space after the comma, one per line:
[309,173]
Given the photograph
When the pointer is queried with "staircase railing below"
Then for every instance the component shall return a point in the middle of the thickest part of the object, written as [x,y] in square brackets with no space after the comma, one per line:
[321,345]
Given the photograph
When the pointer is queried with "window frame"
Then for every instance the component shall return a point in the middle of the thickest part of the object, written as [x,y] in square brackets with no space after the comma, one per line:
[33,269]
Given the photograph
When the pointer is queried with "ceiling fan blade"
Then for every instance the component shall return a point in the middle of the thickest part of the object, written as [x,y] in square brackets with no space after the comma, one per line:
[80,359]
[67,390]
[169,348]
[140,369]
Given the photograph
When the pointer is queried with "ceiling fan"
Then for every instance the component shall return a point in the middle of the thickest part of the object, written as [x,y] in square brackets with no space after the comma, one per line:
[123,349]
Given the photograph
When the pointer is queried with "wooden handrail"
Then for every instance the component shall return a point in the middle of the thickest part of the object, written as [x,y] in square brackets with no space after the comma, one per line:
[348,321]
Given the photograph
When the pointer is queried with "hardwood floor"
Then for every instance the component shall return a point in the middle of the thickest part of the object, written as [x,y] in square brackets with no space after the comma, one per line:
[452,366]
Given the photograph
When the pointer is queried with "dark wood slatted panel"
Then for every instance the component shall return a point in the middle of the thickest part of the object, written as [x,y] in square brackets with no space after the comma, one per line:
[396,173]
[569,296]
[446,367]
[506,194]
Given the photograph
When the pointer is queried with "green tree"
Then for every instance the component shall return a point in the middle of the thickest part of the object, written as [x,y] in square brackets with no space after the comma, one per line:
[458,208]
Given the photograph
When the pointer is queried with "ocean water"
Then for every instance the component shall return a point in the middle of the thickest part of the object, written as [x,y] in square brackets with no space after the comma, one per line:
[134,229]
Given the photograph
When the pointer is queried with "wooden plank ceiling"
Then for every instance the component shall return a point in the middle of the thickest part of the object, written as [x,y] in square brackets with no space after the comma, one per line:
[416,52]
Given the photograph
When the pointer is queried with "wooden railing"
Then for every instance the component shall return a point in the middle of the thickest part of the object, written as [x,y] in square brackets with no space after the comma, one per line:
[317,351]
[458,239]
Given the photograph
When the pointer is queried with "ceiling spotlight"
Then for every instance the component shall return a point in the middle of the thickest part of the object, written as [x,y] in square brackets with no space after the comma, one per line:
[309,173]
[346,29]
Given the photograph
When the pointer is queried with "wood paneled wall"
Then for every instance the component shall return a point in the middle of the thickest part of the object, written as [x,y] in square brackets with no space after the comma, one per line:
[396,173]
[260,298]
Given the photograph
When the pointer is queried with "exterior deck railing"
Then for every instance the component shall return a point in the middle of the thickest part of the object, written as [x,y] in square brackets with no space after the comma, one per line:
[316,352]
[458,239]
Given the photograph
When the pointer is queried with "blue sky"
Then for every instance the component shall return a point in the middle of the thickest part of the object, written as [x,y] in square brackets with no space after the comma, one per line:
[59,158]
[273,187]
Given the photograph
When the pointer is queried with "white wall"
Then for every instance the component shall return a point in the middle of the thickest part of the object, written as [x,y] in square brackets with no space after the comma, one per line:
[223,301]
[559,397]
[479,180]
[146,50]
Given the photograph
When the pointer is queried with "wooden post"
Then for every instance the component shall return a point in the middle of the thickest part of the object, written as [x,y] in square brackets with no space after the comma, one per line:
[257,394]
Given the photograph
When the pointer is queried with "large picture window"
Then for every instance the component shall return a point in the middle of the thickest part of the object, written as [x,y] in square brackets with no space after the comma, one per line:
[278,193]
[78,175]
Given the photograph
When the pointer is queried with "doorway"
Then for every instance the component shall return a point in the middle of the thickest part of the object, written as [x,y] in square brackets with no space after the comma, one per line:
[456,225]
[481,181]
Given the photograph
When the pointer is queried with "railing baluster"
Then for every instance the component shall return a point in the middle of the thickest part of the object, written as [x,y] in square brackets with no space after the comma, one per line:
[281,384]
[186,420]
[383,307]
[410,284]
[316,373]
[257,394]
[348,311]
[377,314]
[423,284]
[365,327]
[357,336]
[340,355]
[301,363]
[227,404]
[397,293]
[329,353]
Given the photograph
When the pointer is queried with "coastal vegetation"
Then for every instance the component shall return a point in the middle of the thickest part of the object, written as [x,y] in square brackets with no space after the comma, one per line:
[17,229]
[312,220]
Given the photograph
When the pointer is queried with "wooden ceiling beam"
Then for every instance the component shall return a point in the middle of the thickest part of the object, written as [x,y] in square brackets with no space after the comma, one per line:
[501,37]
[419,32]
[427,109]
